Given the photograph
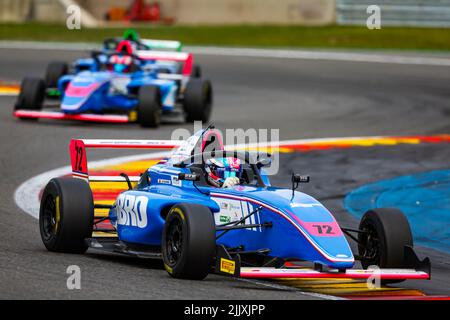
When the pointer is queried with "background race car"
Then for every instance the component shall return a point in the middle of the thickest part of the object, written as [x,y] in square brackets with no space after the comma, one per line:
[126,85]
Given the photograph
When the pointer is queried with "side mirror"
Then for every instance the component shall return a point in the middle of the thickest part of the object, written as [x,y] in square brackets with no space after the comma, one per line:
[297,178]
[188,177]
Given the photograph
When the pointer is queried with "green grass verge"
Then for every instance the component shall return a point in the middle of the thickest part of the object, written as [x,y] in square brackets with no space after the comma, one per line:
[249,36]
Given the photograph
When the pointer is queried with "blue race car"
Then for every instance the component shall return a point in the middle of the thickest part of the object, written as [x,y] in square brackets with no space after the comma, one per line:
[205,209]
[128,86]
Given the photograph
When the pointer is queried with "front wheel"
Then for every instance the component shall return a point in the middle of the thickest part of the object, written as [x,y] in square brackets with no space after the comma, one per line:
[66,215]
[149,108]
[385,233]
[189,241]
[198,99]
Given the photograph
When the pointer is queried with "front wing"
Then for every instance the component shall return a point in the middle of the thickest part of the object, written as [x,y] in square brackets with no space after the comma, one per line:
[28,114]
[382,274]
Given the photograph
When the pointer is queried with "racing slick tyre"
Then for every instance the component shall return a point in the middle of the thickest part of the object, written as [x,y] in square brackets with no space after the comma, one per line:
[66,215]
[149,107]
[189,241]
[55,70]
[198,100]
[32,94]
[385,234]
[196,71]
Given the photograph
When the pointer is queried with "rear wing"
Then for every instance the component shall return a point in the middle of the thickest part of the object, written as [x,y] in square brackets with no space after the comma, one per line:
[186,58]
[166,45]
[79,160]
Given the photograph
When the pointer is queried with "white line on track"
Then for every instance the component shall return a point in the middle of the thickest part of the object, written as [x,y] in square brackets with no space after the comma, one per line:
[283,287]
[258,53]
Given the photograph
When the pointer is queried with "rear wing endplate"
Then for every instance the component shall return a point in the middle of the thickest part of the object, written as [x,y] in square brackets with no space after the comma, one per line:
[79,160]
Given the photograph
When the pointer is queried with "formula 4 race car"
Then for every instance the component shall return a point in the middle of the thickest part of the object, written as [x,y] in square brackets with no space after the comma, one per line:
[128,86]
[246,229]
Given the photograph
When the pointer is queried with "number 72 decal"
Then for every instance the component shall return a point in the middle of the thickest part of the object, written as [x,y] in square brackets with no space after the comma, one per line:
[322,229]
[78,157]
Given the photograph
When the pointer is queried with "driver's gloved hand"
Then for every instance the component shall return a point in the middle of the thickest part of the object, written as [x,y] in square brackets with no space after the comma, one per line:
[230,182]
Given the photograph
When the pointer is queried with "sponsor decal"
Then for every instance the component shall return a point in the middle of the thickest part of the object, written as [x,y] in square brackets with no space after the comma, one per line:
[234,210]
[132,210]
[227,266]
[175,181]
[225,219]
[164,181]
[132,116]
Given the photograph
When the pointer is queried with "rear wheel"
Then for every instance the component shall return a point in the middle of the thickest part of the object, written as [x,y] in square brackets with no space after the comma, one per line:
[189,241]
[385,234]
[32,94]
[149,108]
[198,99]
[66,215]
[55,70]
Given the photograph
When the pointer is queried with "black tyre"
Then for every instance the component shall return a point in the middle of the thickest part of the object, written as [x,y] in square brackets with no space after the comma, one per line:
[196,71]
[149,108]
[189,241]
[32,94]
[66,215]
[386,233]
[55,70]
[198,99]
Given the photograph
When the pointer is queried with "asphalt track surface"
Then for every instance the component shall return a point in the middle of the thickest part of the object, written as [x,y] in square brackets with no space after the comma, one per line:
[303,98]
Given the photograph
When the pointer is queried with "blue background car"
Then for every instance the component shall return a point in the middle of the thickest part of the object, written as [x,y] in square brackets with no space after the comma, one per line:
[142,86]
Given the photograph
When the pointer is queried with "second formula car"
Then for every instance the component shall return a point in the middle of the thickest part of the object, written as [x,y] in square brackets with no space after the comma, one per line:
[125,88]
